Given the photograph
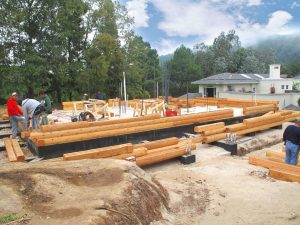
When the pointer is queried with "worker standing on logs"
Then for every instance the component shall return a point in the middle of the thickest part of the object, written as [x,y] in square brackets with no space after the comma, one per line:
[32,110]
[291,138]
[45,101]
[15,114]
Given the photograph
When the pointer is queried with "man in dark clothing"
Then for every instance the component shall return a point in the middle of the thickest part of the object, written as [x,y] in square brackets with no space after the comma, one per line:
[46,102]
[15,114]
[291,138]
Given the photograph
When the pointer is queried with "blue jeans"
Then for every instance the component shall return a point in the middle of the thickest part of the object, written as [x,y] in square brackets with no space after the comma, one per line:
[14,124]
[35,121]
[292,151]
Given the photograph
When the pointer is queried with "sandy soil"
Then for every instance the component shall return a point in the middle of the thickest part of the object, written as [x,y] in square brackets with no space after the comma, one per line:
[217,189]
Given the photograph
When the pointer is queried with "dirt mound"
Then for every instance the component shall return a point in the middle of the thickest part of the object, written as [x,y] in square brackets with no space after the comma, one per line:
[82,192]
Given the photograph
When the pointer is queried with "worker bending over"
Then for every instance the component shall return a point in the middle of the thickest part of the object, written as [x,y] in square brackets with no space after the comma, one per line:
[32,110]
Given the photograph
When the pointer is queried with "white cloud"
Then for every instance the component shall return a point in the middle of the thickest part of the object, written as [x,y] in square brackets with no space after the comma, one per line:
[254,2]
[166,46]
[278,19]
[295,4]
[250,33]
[138,10]
[186,18]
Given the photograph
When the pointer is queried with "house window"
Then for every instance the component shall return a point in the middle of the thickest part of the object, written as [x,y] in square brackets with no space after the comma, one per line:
[253,89]
[276,67]
[282,87]
[286,86]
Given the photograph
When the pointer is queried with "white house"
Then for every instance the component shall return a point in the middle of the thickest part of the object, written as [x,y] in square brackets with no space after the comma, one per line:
[250,86]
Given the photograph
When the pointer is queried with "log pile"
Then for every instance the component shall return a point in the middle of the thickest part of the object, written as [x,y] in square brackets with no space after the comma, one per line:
[83,131]
[277,168]
[220,102]
[143,154]
[13,150]
[218,131]
[259,109]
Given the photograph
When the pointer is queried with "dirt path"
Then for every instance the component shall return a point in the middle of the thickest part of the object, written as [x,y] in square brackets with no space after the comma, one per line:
[238,193]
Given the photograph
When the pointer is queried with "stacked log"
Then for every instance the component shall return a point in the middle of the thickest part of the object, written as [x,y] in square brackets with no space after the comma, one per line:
[277,170]
[259,109]
[13,150]
[144,153]
[218,131]
[83,131]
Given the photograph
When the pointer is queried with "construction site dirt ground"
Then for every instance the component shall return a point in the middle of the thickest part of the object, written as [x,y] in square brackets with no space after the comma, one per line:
[217,189]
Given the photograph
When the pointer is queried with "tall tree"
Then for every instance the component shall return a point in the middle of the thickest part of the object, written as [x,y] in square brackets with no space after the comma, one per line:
[183,70]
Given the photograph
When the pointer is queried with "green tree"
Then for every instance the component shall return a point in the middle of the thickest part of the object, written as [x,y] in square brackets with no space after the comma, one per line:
[183,70]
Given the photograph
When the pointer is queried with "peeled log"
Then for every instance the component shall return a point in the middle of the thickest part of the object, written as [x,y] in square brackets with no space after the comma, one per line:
[35,135]
[214,131]
[284,175]
[213,138]
[266,122]
[200,129]
[160,156]
[158,144]
[172,147]
[9,150]
[235,127]
[197,139]
[63,126]
[83,124]
[138,152]
[271,164]
[100,152]
[259,128]
[100,134]
[17,150]
[261,119]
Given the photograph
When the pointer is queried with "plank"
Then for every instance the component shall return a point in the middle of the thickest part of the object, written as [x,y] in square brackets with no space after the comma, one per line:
[284,175]
[100,152]
[17,150]
[9,150]
[271,164]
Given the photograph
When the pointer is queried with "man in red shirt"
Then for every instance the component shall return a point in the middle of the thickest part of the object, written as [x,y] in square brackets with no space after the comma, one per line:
[15,114]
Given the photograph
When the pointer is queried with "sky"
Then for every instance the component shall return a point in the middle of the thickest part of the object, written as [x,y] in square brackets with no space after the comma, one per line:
[166,24]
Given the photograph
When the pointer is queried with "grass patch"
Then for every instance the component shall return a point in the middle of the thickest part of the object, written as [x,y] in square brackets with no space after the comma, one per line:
[11,217]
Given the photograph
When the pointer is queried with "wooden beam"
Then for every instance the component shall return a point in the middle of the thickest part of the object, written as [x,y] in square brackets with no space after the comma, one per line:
[17,150]
[271,164]
[160,156]
[259,128]
[214,131]
[85,130]
[213,138]
[158,144]
[9,150]
[284,175]
[235,127]
[137,152]
[200,129]
[100,134]
[100,152]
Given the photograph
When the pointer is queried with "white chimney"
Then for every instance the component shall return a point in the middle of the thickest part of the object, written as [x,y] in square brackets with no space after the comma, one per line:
[274,71]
